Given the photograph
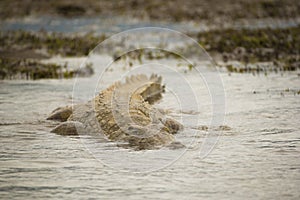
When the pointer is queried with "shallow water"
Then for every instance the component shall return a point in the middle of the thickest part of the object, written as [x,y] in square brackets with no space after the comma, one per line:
[83,25]
[257,155]
[110,25]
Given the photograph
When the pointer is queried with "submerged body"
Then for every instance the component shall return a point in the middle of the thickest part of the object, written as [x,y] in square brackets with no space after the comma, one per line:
[123,112]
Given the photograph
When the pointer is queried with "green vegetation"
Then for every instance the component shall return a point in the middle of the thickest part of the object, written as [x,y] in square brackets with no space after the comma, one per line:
[278,46]
[33,70]
[147,53]
[54,43]
[256,42]
[19,55]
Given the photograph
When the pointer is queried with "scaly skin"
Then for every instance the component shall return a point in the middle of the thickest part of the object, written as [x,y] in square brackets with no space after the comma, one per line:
[123,112]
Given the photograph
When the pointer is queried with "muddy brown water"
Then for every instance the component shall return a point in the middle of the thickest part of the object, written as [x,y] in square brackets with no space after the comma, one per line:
[256,156]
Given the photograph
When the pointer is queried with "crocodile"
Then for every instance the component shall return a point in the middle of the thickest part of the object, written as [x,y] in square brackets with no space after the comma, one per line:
[124,112]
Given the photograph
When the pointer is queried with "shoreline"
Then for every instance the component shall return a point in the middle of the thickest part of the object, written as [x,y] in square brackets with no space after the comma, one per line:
[239,51]
[197,10]
[242,37]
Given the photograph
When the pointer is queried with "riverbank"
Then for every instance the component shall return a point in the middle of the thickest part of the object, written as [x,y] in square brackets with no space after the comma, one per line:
[253,50]
[214,11]
[236,50]
[22,54]
[32,69]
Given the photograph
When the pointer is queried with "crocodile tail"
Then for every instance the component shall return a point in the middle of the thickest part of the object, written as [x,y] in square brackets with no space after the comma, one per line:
[150,89]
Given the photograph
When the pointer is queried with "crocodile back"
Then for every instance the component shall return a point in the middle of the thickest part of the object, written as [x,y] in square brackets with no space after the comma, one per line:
[125,113]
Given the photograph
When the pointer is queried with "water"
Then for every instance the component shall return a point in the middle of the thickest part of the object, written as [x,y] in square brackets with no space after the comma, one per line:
[111,25]
[257,157]
[98,25]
